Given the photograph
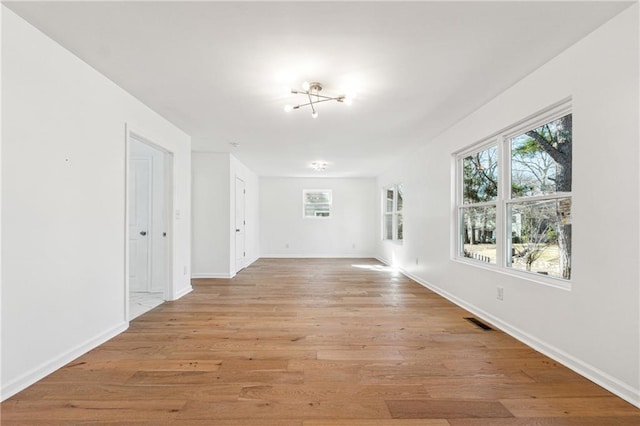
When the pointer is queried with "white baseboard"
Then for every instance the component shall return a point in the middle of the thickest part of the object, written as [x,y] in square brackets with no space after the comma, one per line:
[592,373]
[224,275]
[221,275]
[386,262]
[252,261]
[49,367]
[182,292]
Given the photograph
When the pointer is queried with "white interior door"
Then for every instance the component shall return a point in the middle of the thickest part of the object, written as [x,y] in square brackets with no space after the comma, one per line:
[240,224]
[139,219]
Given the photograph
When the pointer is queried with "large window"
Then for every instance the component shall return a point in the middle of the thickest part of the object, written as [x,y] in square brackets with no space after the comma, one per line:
[392,223]
[316,203]
[514,198]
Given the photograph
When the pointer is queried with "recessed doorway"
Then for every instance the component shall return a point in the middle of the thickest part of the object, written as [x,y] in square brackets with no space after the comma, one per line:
[240,223]
[149,195]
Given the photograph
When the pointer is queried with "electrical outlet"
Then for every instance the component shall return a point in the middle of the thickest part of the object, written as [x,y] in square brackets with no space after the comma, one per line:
[353,245]
[500,293]
[417,260]
[286,245]
[184,270]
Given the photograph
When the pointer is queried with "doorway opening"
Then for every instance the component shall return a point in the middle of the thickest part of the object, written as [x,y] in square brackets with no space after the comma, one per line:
[149,203]
[240,222]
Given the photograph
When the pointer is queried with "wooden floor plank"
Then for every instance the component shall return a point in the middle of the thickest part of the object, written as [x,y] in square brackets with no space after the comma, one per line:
[549,421]
[575,407]
[314,342]
[309,409]
[447,409]
[385,422]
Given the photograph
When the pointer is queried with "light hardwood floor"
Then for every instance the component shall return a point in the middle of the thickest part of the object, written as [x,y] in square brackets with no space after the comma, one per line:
[314,342]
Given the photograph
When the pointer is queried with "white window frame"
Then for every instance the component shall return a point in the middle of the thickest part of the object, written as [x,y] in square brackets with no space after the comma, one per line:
[305,203]
[395,213]
[482,146]
[502,140]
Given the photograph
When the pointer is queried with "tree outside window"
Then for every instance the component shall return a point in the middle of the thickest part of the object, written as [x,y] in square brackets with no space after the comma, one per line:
[539,209]
[478,212]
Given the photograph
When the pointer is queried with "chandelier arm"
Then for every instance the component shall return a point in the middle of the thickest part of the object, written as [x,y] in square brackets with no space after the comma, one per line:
[339,99]
[324,97]
[299,92]
[311,102]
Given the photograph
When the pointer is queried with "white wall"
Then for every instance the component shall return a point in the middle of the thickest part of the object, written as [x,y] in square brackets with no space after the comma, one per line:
[1,138]
[594,327]
[63,203]
[349,232]
[210,215]
[213,212]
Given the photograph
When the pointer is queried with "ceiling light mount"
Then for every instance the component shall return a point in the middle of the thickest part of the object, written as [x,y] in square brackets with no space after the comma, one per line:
[312,92]
[319,166]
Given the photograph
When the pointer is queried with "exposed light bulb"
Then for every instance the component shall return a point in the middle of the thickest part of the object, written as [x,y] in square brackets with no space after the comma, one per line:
[306,86]
[349,97]
[314,114]
[288,108]
[319,166]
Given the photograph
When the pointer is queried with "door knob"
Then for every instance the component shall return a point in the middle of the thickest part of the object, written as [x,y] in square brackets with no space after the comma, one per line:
[237,229]
[143,233]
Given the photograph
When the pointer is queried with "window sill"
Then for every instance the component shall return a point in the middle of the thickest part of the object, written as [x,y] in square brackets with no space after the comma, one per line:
[396,242]
[558,283]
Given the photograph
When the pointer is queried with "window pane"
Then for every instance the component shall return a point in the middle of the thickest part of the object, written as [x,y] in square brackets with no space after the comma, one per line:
[541,237]
[400,198]
[317,210]
[400,226]
[541,159]
[388,227]
[479,233]
[317,197]
[389,201]
[480,176]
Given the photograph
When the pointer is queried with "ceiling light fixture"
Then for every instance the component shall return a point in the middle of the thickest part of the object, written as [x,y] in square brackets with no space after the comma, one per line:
[319,166]
[312,92]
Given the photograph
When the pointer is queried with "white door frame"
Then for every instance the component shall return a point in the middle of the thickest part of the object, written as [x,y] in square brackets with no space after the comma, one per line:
[169,184]
[238,267]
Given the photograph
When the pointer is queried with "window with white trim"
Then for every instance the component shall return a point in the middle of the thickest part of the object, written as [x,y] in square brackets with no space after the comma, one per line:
[392,223]
[316,203]
[513,208]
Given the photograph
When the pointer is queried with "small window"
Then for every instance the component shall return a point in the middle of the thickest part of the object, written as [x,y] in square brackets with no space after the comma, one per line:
[316,203]
[392,222]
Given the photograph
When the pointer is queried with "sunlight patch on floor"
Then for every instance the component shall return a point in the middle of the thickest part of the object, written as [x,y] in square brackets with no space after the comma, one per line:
[380,268]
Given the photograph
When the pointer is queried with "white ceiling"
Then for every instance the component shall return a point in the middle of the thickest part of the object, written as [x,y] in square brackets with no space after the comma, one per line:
[221,70]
